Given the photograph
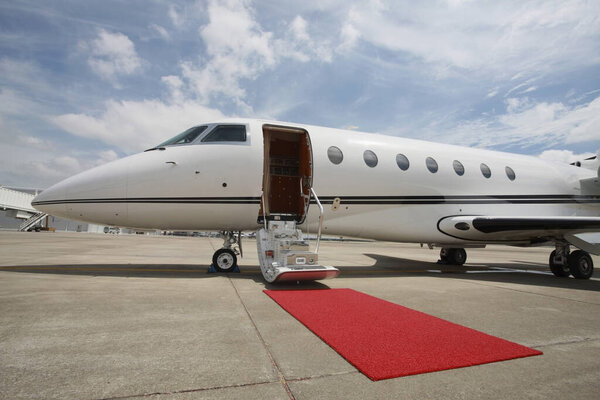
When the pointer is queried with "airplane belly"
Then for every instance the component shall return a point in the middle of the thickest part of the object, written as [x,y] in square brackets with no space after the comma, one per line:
[194,216]
[99,212]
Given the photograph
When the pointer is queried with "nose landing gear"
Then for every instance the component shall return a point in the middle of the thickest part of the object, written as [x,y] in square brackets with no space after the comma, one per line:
[225,259]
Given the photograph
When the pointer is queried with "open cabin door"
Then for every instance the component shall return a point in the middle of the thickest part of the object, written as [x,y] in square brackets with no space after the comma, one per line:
[287,174]
[283,252]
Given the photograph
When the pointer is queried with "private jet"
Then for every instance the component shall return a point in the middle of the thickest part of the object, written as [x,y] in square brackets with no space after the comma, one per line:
[288,181]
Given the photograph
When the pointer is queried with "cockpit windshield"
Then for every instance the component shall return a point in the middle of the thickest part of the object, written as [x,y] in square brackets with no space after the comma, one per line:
[226,133]
[185,137]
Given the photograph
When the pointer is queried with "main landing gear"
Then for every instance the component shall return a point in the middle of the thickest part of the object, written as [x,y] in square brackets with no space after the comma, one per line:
[452,256]
[225,259]
[577,263]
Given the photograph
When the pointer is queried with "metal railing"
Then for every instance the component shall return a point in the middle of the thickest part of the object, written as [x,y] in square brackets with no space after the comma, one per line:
[320,218]
[264,210]
[32,221]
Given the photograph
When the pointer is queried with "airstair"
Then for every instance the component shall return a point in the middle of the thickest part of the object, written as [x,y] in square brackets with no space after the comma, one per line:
[284,253]
[32,221]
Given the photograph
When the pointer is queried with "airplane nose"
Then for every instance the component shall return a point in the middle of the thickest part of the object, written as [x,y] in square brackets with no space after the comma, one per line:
[51,200]
[97,195]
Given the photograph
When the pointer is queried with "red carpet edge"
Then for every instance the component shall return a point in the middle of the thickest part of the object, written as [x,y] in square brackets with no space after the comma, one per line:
[384,340]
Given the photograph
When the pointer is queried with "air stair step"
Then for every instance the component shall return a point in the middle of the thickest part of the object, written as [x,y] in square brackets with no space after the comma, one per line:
[284,255]
[32,221]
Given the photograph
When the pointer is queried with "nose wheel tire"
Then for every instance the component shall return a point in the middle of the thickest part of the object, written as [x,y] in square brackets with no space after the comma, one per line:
[224,260]
[581,265]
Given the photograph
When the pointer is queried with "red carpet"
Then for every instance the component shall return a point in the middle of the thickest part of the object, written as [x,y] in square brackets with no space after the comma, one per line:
[384,340]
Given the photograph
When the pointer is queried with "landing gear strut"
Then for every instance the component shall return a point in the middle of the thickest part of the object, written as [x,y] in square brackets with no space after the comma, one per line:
[559,261]
[453,256]
[225,259]
[578,263]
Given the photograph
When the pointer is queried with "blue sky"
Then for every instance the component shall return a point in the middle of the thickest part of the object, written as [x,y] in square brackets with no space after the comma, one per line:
[83,83]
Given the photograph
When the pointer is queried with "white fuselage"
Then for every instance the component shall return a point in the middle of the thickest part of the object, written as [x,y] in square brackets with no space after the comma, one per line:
[215,186]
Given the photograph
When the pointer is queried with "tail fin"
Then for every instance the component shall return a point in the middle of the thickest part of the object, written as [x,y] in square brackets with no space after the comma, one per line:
[592,163]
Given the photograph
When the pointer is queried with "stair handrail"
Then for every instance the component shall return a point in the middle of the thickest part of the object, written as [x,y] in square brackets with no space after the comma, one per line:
[320,218]
[32,221]
[264,210]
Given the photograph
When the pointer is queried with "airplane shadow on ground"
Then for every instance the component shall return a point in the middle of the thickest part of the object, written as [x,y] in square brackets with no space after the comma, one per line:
[519,272]
[118,270]
[156,271]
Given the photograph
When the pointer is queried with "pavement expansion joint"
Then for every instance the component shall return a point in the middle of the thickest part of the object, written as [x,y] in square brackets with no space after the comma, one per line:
[274,364]
[566,342]
[134,396]
[307,378]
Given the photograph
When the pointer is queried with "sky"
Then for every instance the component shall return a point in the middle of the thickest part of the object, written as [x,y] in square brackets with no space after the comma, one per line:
[86,82]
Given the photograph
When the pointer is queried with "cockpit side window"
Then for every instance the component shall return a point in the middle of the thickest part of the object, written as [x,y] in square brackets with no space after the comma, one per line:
[226,133]
[185,137]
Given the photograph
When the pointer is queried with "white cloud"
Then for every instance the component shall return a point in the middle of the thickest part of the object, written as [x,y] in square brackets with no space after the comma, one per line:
[24,165]
[177,19]
[349,36]
[25,75]
[15,103]
[556,120]
[297,44]
[107,156]
[161,31]
[298,28]
[133,126]
[112,55]
[563,156]
[175,86]
[492,93]
[34,142]
[244,52]
[67,163]
[492,39]
[528,123]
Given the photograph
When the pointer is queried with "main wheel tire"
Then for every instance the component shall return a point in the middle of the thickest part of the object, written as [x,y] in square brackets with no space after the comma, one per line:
[443,256]
[224,260]
[581,264]
[456,256]
[559,270]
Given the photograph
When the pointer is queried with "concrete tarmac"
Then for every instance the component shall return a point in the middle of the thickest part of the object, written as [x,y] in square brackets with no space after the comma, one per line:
[92,316]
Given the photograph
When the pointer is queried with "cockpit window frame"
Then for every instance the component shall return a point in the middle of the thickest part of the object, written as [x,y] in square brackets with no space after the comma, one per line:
[205,126]
[210,128]
[205,134]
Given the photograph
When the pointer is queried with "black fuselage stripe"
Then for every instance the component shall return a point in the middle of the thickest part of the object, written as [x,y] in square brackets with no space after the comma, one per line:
[353,200]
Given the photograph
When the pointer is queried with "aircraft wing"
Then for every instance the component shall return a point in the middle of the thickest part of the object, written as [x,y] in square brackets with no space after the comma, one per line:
[523,230]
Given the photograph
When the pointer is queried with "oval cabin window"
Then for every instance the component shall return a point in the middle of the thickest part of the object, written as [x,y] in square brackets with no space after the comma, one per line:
[335,155]
[458,168]
[485,170]
[402,162]
[370,158]
[510,173]
[432,165]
